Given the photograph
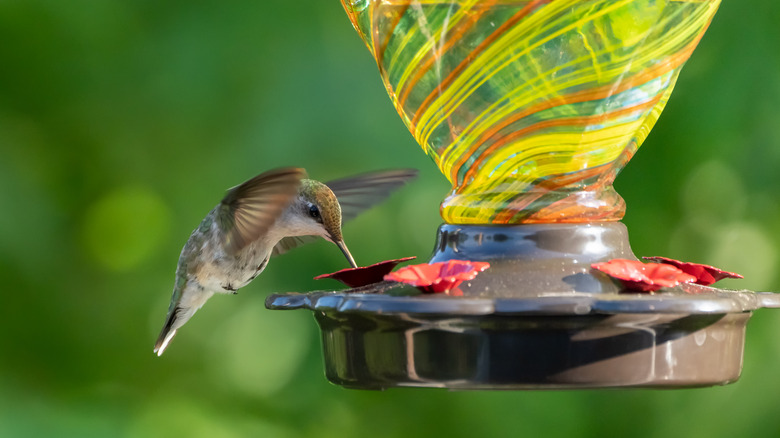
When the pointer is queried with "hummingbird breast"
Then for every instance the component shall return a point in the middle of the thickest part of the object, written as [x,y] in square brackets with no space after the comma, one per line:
[220,272]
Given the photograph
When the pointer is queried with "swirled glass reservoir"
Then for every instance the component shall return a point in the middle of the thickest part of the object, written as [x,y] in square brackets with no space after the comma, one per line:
[530,108]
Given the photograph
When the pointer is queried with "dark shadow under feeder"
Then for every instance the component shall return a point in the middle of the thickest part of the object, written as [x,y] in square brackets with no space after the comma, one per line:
[539,318]
[530,109]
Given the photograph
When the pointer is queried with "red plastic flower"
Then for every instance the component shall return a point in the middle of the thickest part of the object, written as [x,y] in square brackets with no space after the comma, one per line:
[705,274]
[438,277]
[645,277]
[356,277]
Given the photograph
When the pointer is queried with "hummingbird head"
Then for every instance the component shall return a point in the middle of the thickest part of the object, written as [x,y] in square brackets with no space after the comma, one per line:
[320,214]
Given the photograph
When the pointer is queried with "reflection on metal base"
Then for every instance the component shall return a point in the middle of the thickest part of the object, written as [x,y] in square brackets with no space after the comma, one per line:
[539,318]
[532,352]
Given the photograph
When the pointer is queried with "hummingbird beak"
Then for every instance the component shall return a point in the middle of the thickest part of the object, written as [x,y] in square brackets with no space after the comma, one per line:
[343,247]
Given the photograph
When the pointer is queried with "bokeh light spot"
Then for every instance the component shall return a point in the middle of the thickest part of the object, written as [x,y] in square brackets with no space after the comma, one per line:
[421,208]
[125,227]
[713,194]
[259,351]
[167,417]
[747,249]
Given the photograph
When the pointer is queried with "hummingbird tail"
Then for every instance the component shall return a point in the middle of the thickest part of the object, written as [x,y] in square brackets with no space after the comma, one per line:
[182,308]
[160,346]
[166,335]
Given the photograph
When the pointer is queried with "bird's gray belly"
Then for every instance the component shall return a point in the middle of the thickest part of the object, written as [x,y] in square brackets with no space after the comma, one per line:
[226,275]
[244,272]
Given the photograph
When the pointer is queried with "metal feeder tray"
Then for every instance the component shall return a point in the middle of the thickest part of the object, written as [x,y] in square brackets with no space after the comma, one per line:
[539,318]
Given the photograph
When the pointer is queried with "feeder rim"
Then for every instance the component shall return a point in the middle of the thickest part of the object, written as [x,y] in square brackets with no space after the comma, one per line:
[565,303]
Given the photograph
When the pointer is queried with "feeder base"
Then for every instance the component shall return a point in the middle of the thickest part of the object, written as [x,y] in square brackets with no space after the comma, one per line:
[539,318]
[533,352]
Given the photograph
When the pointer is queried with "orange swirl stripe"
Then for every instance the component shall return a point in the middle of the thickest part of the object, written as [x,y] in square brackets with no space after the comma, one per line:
[530,107]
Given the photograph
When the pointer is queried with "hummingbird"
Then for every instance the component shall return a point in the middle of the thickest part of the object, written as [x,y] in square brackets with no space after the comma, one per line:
[266,216]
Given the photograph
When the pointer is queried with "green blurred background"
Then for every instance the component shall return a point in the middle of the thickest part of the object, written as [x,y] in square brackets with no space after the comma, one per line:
[121,125]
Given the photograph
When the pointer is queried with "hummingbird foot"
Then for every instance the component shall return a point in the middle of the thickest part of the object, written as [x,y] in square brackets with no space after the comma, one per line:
[230,288]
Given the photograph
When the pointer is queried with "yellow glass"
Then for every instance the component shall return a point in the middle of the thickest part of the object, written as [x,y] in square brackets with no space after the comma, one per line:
[530,108]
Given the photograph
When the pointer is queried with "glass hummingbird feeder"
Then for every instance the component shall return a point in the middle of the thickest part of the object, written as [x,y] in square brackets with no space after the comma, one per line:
[530,108]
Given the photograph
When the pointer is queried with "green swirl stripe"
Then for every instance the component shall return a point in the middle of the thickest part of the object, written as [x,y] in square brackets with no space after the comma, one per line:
[530,108]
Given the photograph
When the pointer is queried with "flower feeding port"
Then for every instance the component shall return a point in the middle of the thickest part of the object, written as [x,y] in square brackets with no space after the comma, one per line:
[531,109]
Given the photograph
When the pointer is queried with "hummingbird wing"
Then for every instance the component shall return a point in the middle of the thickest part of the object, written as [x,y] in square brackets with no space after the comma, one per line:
[356,194]
[291,242]
[361,192]
[250,209]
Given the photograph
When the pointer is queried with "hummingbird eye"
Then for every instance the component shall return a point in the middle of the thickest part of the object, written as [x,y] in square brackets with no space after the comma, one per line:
[314,212]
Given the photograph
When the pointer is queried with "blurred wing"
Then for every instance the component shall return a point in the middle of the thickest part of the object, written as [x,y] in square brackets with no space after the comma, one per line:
[289,243]
[360,192]
[250,209]
[355,194]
